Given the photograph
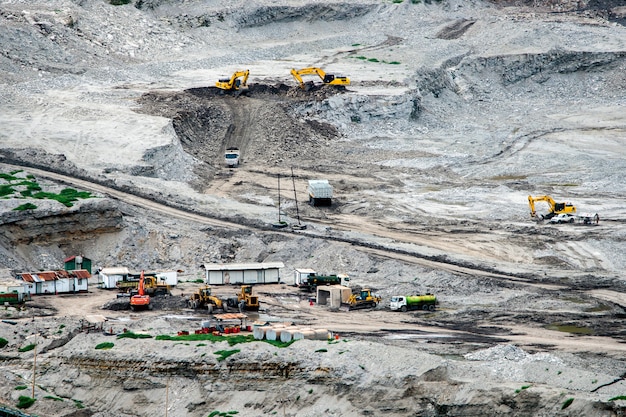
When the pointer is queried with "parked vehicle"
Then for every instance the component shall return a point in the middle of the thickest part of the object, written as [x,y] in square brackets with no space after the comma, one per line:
[308,279]
[320,192]
[413,302]
[563,218]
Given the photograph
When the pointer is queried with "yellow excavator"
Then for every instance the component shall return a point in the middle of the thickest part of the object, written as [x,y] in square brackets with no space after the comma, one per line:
[327,79]
[555,208]
[234,83]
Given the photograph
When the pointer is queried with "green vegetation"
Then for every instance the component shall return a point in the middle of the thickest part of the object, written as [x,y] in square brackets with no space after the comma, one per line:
[232,340]
[21,387]
[364,58]
[321,350]
[27,347]
[105,345]
[397,1]
[223,414]
[567,403]
[25,402]
[517,391]
[33,190]
[568,328]
[119,2]
[27,206]
[78,404]
[3,342]
[223,354]
[132,335]
[50,397]
[619,397]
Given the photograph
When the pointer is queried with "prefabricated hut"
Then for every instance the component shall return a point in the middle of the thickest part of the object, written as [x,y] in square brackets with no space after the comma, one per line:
[108,277]
[55,282]
[253,273]
[12,291]
[77,262]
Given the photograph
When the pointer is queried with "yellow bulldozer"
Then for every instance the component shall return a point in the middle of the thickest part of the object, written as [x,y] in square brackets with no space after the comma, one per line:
[361,299]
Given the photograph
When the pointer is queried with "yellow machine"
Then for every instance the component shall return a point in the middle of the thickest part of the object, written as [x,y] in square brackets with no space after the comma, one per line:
[555,208]
[362,299]
[202,298]
[151,286]
[245,300]
[234,83]
[327,79]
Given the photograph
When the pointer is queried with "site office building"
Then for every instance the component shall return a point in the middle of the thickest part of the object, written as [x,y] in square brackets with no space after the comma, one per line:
[237,274]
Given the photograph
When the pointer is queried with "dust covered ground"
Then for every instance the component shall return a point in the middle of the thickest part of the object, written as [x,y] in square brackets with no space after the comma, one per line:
[455,114]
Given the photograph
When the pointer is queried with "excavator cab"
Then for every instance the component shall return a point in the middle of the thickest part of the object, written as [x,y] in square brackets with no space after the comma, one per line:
[327,79]
[234,83]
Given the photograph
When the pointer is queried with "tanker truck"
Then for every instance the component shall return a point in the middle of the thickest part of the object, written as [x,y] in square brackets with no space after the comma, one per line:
[413,302]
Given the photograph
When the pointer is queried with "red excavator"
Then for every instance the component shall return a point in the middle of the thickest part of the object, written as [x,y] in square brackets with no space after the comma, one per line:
[141,300]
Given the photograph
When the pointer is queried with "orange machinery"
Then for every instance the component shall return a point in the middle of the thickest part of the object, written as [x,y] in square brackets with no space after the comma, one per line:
[140,301]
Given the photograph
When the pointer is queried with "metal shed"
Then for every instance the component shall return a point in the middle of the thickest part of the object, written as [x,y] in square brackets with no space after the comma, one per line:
[253,273]
[108,277]
[77,262]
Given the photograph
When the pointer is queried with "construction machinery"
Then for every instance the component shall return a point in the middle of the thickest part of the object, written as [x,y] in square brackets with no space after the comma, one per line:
[245,300]
[234,83]
[152,286]
[327,79]
[555,208]
[203,298]
[141,300]
[360,300]
[413,302]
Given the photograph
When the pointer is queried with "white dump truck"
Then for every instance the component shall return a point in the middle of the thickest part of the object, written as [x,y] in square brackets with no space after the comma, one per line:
[232,157]
[320,193]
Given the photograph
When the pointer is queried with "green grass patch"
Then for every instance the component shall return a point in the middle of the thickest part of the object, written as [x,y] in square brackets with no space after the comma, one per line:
[619,397]
[26,206]
[131,335]
[8,177]
[3,342]
[372,60]
[223,414]
[6,189]
[567,403]
[321,350]
[394,63]
[21,387]
[105,345]
[27,347]
[397,1]
[223,354]
[51,397]
[356,44]
[509,177]
[361,57]
[25,402]
[232,340]
[517,391]
[66,197]
[78,404]
[569,328]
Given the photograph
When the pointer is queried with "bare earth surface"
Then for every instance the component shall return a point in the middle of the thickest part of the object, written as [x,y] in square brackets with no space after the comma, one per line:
[456,112]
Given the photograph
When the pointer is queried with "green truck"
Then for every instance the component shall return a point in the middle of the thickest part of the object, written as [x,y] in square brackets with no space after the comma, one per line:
[413,302]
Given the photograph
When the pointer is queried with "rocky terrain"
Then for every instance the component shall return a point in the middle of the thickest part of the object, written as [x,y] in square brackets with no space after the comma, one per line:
[456,112]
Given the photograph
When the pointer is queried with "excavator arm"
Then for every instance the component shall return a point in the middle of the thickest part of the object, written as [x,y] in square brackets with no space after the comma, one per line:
[555,208]
[328,79]
[233,83]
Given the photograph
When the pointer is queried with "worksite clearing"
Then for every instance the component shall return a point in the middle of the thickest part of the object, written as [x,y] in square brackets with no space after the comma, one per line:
[451,114]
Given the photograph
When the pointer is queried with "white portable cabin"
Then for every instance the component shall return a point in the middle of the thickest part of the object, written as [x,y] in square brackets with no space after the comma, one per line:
[300,275]
[168,277]
[253,273]
[108,277]
[9,286]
